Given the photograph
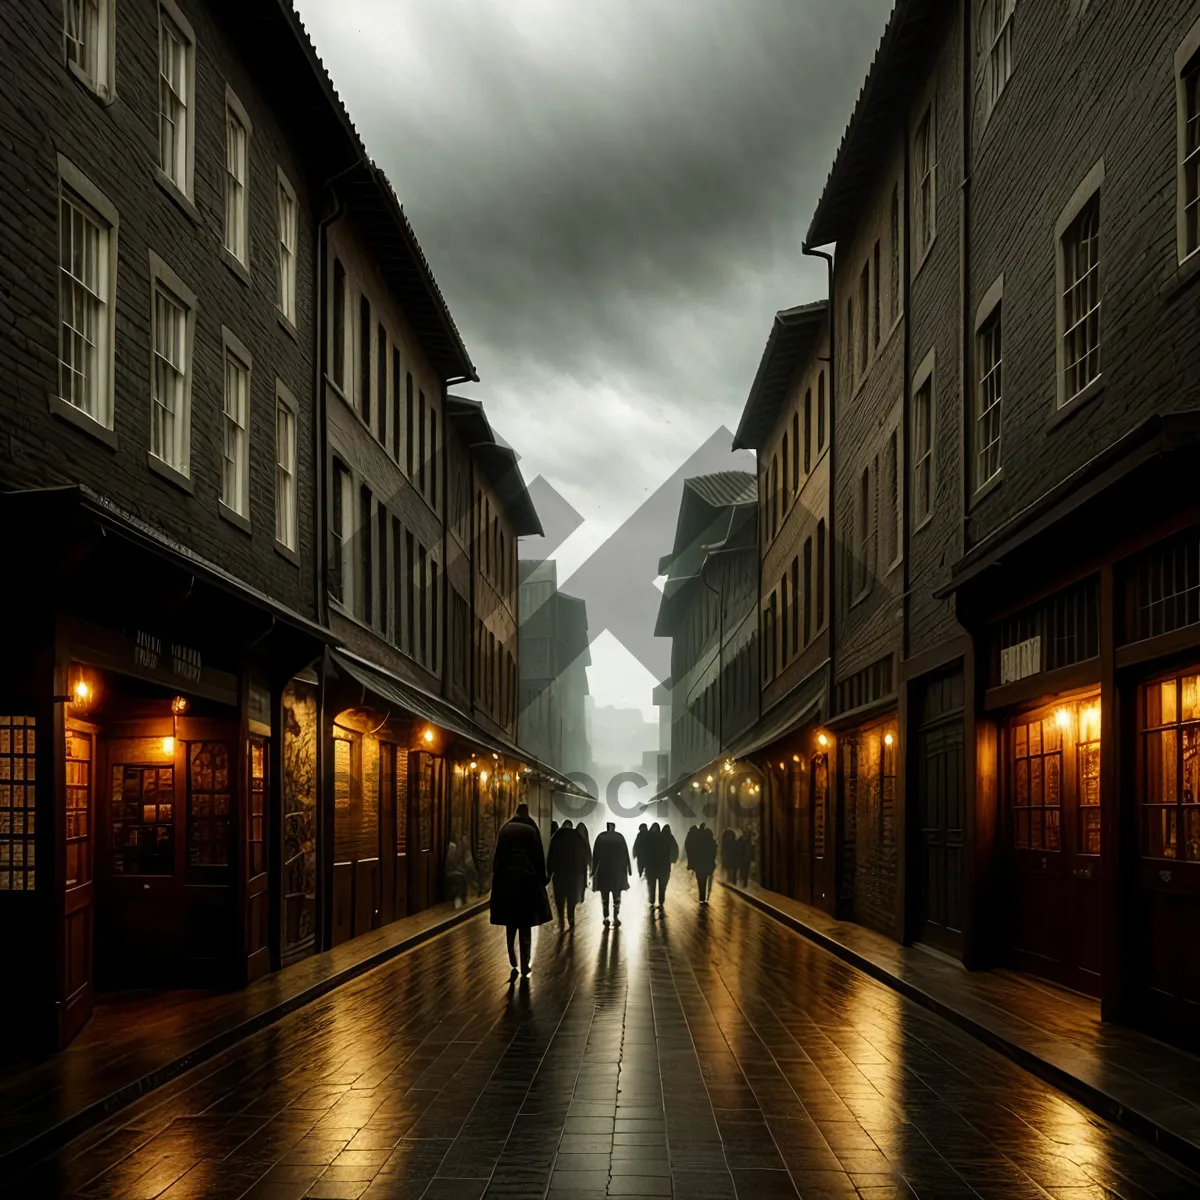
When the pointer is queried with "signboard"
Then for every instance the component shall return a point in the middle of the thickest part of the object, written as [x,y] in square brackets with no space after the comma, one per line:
[1022,660]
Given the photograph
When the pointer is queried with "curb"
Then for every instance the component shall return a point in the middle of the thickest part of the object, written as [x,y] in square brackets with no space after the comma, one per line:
[26,1155]
[1179,1148]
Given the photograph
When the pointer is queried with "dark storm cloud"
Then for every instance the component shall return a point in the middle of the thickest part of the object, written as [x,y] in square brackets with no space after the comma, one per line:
[613,196]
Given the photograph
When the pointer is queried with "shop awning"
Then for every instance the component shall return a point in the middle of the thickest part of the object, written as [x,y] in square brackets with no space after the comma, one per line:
[436,711]
[774,726]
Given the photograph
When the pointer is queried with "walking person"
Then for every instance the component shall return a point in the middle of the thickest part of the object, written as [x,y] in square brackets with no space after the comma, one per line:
[729,853]
[652,855]
[456,874]
[519,881]
[611,869]
[639,849]
[567,865]
[703,860]
[668,857]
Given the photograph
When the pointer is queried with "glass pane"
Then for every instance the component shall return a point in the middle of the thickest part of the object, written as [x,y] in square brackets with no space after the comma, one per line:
[1035,737]
[1160,831]
[1023,830]
[1053,769]
[1162,784]
[1090,831]
[1053,727]
[1191,765]
[1089,774]
[1036,841]
[1053,838]
[1190,697]
[1022,792]
[1022,742]
[1035,781]
[1191,834]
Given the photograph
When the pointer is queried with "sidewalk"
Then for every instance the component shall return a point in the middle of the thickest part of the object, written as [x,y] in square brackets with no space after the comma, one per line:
[1128,1077]
[129,1048]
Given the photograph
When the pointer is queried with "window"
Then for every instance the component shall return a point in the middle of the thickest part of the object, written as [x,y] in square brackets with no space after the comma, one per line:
[381,381]
[773,627]
[88,41]
[796,602]
[1170,791]
[891,498]
[808,431]
[285,468]
[433,615]
[820,412]
[364,359]
[365,563]
[808,609]
[381,539]
[341,578]
[864,308]
[786,462]
[18,746]
[895,276]
[875,298]
[796,443]
[408,444]
[783,614]
[1080,251]
[396,403]
[922,443]
[774,495]
[862,526]
[339,324]
[237,174]
[999,30]
[433,457]
[87,292]
[410,591]
[988,396]
[397,583]
[925,172]
[850,356]
[820,574]
[258,795]
[1187,89]
[210,788]
[176,111]
[289,220]
[421,439]
[1037,784]
[173,318]
[235,458]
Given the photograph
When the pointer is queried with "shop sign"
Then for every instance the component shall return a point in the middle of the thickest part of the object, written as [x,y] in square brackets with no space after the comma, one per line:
[1022,660]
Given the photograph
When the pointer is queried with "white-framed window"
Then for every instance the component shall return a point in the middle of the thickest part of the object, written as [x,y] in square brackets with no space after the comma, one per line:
[891,512]
[1077,273]
[921,441]
[176,87]
[989,385]
[237,179]
[173,324]
[289,217]
[87,281]
[1187,92]
[998,29]
[285,468]
[88,42]
[235,438]
[925,178]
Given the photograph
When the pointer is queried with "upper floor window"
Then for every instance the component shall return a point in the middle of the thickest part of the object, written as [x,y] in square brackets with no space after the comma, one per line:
[786,481]
[173,325]
[237,176]
[1079,306]
[807,430]
[922,444]
[925,176]
[288,233]
[875,298]
[342,536]
[895,275]
[820,412]
[285,469]
[176,109]
[87,279]
[89,43]
[892,544]
[988,395]
[864,308]
[850,357]
[796,441]
[862,519]
[235,457]
[1187,90]
[998,29]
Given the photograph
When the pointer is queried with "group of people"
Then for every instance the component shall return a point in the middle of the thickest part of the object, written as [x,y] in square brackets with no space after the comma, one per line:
[521,872]
[737,853]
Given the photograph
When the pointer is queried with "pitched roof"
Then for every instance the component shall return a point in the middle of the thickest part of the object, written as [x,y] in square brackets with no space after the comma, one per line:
[724,487]
[894,72]
[794,333]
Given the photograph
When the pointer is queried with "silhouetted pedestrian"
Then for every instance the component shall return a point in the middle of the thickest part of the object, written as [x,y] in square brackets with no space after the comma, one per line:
[582,830]
[456,874]
[610,870]
[668,856]
[652,853]
[567,866]
[729,853]
[639,849]
[703,859]
[689,844]
[553,829]
[519,884]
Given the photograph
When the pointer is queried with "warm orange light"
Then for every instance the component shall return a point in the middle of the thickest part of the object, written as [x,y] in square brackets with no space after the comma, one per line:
[495,756]
[1062,718]
[427,736]
[179,705]
[795,758]
[168,745]
[82,691]
[822,740]
[782,767]
[888,739]
[708,779]
[474,765]
[483,776]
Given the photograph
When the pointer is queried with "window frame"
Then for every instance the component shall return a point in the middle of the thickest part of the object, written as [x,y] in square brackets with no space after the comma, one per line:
[235,110]
[103,83]
[286,291]
[169,10]
[995,38]
[989,312]
[1089,190]
[926,220]
[1187,64]
[285,402]
[95,205]
[233,348]
[162,276]
[925,375]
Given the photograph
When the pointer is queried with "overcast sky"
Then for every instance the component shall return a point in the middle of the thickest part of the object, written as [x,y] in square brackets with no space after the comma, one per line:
[612,195]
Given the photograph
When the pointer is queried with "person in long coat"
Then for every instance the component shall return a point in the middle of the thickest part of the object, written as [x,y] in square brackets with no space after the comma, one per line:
[567,866]
[668,856]
[611,869]
[729,853]
[519,881]
[745,856]
[582,830]
[639,849]
[689,845]
[703,859]
[652,858]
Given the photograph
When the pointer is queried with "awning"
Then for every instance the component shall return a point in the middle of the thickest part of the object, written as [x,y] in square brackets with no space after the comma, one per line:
[433,709]
[778,725]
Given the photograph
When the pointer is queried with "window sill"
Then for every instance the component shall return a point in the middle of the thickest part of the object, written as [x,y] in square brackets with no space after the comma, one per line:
[170,474]
[233,517]
[1077,402]
[177,194]
[288,326]
[238,267]
[1184,274]
[986,489]
[103,96]
[89,425]
[287,552]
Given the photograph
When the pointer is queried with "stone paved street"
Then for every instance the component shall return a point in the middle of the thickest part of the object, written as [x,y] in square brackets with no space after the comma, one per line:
[705,1054]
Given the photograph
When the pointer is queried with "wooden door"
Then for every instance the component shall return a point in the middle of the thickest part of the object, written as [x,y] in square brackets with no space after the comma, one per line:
[1054,795]
[254,860]
[941,808]
[78,834]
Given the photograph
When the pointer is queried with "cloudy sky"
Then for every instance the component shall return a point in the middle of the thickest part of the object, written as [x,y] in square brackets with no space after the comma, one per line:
[613,195]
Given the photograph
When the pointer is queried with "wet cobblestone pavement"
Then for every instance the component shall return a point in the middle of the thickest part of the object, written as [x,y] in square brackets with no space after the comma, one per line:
[704,1053]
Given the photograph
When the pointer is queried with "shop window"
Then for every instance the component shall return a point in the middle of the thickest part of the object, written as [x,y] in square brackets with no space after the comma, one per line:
[1037,791]
[258,788]
[143,820]
[79,793]
[400,775]
[1171,764]
[18,737]
[1162,589]
[820,792]
[209,807]
[1088,754]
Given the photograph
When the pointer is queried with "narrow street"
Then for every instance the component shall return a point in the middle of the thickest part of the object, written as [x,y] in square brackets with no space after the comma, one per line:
[704,1053]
